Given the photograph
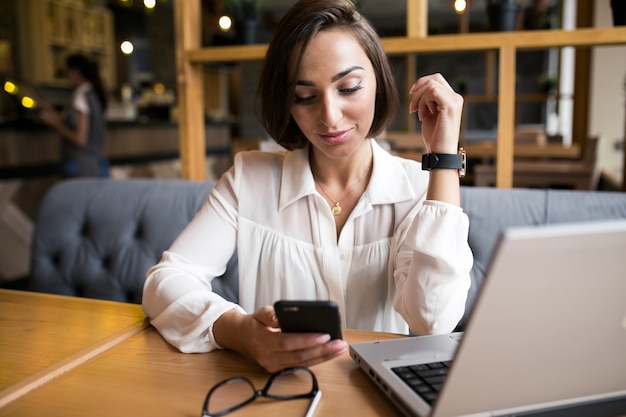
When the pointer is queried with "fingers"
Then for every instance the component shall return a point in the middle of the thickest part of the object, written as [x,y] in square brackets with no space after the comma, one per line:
[315,355]
[440,109]
[302,349]
[266,316]
[432,93]
[49,117]
[258,336]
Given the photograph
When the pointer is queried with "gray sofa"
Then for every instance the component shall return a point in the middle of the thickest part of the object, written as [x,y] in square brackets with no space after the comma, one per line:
[97,237]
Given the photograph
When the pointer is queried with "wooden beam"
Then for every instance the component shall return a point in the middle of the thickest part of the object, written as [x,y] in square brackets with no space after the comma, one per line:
[417,19]
[535,39]
[506,117]
[228,53]
[189,79]
[582,79]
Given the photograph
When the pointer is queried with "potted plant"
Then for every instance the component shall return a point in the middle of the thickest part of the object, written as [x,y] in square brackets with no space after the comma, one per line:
[246,15]
[503,14]
[548,83]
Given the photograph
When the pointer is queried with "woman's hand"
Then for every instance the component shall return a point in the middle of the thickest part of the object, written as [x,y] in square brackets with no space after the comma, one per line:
[258,337]
[440,109]
[50,117]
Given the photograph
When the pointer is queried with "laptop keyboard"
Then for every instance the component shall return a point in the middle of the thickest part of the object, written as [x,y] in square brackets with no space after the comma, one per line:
[425,379]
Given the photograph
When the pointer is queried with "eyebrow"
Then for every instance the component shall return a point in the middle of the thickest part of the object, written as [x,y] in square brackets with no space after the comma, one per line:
[336,77]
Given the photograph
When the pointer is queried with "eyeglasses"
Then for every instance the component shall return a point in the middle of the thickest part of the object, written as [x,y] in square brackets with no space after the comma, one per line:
[288,384]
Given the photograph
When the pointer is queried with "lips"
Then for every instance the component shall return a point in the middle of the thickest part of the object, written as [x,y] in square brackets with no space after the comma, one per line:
[334,138]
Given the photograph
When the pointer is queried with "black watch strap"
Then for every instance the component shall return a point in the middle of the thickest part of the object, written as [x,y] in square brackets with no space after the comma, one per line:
[441,160]
[445,161]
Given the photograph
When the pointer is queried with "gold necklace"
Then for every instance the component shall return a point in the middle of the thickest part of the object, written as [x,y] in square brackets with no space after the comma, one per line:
[336,209]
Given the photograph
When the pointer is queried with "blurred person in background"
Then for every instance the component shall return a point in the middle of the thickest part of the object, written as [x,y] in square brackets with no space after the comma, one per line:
[83,126]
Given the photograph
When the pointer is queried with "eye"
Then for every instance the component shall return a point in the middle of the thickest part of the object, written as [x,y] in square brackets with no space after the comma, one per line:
[304,100]
[351,90]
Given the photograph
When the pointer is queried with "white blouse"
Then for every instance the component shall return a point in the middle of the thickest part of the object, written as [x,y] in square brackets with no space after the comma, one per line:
[399,262]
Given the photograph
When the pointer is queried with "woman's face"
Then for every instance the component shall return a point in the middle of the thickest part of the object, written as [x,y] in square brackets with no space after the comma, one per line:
[74,76]
[335,93]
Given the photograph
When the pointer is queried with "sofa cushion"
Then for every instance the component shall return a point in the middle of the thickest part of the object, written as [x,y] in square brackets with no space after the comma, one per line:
[97,237]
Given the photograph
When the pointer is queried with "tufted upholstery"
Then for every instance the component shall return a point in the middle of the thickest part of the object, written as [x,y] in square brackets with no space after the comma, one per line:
[97,237]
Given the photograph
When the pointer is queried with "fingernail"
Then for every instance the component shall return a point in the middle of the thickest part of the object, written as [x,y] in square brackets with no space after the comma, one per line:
[340,347]
[323,338]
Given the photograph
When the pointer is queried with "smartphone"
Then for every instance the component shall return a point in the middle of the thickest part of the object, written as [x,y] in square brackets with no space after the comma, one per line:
[295,316]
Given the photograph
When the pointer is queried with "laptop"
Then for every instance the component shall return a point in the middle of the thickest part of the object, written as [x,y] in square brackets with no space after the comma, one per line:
[546,337]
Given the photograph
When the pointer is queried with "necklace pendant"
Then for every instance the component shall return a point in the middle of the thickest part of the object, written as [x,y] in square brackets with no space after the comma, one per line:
[336,210]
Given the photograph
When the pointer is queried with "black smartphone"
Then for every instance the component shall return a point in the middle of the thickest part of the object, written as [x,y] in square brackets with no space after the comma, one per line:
[296,316]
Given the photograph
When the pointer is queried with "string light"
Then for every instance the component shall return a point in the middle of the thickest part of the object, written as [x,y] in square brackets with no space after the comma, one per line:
[28,102]
[127,47]
[159,88]
[225,23]
[10,87]
[460,6]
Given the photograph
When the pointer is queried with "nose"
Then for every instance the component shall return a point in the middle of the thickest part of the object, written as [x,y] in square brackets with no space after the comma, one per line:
[330,111]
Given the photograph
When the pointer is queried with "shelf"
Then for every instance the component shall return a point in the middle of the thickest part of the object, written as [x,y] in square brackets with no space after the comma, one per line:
[538,39]
[519,97]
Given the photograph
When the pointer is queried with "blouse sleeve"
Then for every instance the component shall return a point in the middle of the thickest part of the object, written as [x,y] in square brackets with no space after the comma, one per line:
[79,99]
[177,294]
[432,271]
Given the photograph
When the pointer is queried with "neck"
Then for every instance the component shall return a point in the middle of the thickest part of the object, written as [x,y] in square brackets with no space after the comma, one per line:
[343,172]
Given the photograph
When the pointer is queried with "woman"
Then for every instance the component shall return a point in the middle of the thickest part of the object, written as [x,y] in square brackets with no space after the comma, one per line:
[335,217]
[83,126]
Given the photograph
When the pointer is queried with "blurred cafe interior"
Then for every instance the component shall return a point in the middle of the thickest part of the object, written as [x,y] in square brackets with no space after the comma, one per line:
[567,93]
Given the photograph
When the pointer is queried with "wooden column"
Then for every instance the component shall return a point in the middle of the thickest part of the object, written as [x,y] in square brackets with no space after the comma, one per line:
[416,27]
[416,18]
[506,117]
[582,79]
[187,31]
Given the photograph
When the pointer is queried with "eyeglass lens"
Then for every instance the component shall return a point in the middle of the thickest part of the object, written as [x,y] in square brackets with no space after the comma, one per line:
[229,395]
[237,392]
[290,383]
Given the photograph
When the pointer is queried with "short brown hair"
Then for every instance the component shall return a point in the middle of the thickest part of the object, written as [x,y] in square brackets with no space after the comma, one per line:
[292,34]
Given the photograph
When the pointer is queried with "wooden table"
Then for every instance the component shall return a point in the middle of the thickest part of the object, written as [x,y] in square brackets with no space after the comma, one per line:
[42,336]
[143,375]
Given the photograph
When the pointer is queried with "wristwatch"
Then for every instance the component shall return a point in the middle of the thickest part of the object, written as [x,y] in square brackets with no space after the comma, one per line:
[445,161]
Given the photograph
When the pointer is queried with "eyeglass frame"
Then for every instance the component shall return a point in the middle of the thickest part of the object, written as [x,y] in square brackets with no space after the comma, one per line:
[315,392]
